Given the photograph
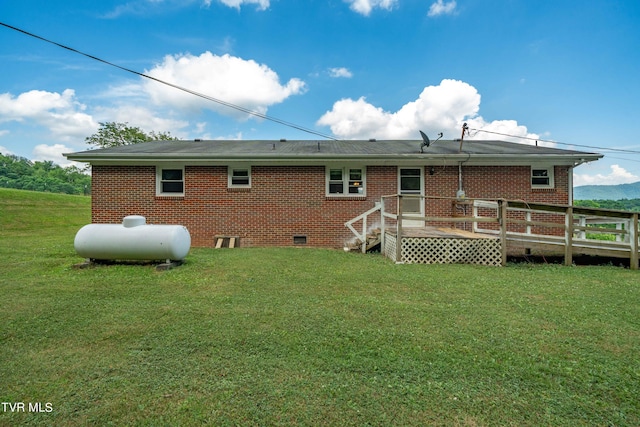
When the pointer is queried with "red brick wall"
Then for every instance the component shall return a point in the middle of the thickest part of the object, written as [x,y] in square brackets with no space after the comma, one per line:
[492,182]
[287,201]
[508,182]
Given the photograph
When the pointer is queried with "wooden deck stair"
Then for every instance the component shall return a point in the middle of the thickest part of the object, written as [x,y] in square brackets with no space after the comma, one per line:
[368,239]
[373,239]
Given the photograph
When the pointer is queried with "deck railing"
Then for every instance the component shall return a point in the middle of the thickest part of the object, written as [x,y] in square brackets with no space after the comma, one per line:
[362,237]
[540,226]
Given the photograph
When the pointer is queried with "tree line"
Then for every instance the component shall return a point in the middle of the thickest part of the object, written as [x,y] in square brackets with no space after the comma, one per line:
[23,174]
[619,205]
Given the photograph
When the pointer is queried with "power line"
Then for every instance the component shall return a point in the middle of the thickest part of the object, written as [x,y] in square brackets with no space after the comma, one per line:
[559,143]
[261,115]
[622,158]
[192,92]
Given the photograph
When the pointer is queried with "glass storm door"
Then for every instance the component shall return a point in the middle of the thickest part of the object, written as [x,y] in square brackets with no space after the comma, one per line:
[411,182]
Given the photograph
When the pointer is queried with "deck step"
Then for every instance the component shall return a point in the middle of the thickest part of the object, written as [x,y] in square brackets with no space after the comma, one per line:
[372,240]
[372,243]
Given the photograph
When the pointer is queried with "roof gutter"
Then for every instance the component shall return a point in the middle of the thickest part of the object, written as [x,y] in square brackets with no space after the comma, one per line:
[377,159]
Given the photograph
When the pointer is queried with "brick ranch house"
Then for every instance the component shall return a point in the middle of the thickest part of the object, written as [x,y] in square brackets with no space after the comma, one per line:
[281,193]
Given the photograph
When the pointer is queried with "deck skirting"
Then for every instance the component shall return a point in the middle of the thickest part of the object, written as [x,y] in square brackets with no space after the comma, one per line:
[445,250]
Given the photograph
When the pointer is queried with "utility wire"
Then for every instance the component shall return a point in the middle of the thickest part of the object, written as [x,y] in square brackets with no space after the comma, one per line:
[559,143]
[622,158]
[192,92]
[261,115]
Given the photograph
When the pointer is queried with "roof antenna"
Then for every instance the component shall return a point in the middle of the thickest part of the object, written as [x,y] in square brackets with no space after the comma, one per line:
[465,128]
[425,140]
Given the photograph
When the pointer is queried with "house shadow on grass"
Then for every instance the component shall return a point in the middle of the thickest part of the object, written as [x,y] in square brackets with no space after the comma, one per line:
[578,260]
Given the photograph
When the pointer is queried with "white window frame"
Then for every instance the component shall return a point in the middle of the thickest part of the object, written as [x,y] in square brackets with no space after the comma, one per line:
[230,171]
[550,176]
[160,181]
[347,182]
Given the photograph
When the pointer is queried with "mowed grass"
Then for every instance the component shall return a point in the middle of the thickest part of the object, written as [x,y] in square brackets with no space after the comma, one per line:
[257,336]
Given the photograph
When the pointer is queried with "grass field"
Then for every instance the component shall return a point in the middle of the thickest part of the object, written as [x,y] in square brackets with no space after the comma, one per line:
[304,337]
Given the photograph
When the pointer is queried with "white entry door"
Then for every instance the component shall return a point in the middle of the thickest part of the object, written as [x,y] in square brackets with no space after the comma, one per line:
[411,182]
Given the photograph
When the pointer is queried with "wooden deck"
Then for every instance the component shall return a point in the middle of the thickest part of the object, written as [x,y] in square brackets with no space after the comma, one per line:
[442,245]
[555,245]
[511,226]
[518,241]
[439,232]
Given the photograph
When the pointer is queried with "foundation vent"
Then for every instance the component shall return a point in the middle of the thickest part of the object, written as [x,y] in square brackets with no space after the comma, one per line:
[299,240]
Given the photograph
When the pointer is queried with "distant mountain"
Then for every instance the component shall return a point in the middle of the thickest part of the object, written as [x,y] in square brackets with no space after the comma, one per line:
[607,192]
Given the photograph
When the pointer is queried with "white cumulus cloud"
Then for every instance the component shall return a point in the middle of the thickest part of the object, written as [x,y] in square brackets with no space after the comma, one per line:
[262,4]
[146,7]
[442,108]
[618,175]
[340,72]
[364,7]
[504,130]
[438,108]
[54,152]
[59,112]
[33,104]
[441,7]
[241,82]
[145,119]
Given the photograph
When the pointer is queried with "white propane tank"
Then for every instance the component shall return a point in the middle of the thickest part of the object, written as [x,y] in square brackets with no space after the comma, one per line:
[134,239]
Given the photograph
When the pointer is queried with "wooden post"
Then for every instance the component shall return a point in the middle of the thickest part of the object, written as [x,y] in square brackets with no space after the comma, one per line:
[473,216]
[633,242]
[364,234]
[502,217]
[568,236]
[399,234]
[382,225]
[582,222]
[619,228]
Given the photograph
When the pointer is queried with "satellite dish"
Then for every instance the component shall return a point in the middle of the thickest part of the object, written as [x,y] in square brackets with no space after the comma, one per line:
[425,141]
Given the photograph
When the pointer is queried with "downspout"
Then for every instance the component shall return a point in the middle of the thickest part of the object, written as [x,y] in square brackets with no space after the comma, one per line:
[571,168]
[571,185]
[460,194]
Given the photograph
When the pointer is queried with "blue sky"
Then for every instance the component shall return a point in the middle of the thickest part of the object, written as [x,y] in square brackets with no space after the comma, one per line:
[562,71]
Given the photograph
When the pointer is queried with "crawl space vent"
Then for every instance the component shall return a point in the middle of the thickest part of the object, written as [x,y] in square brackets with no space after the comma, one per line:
[299,240]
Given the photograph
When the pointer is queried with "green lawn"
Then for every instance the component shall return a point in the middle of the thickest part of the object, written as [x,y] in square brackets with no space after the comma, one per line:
[305,336]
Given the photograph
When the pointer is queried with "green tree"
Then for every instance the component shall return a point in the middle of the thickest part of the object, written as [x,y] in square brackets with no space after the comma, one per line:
[586,203]
[114,134]
[18,172]
[623,204]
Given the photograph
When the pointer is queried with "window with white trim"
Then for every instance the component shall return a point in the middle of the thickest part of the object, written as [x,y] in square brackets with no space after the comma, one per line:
[542,177]
[169,181]
[239,177]
[345,181]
